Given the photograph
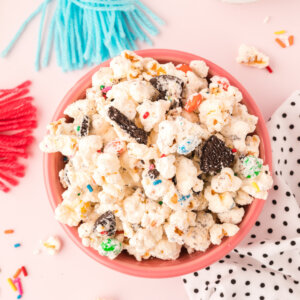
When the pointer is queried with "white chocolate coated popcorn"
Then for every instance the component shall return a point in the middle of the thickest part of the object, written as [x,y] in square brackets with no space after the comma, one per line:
[250,56]
[218,231]
[226,181]
[52,245]
[134,156]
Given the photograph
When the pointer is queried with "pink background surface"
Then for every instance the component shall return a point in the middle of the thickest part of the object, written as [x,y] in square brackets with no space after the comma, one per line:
[209,28]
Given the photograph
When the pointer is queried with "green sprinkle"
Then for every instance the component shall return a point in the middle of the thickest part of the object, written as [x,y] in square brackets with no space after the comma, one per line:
[160,202]
[78,194]
[101,87]
[78,128]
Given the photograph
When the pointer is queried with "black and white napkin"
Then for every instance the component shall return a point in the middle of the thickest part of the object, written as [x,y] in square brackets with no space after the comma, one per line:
[266,265]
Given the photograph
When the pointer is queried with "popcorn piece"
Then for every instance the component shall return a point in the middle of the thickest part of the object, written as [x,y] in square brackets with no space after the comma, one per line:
[218,231]
[226,181]
[52,245]
[186,175]
[251,57]
[233,216]
[199,67]
[252,145]
[141,151]
[103,77]
[197,238]
[243,198]
[173,133]
[152,113]
[218,203]
[80,108]
[179,222]
[127,65]
[157,188]
[166,250]
[66,144]
[143,241]
[134,207]
[165,166]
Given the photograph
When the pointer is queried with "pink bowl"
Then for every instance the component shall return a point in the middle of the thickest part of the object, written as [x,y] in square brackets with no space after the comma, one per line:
[155,268]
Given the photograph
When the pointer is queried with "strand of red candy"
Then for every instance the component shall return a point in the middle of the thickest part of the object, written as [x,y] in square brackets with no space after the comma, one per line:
[17,120]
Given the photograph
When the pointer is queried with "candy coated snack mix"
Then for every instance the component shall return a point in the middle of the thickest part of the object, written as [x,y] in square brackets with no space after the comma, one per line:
[157,158]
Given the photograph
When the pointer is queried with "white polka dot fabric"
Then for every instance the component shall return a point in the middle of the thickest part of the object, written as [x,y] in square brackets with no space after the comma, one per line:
[266,265]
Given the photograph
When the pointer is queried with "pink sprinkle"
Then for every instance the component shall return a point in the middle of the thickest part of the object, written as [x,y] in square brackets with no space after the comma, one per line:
[151,167]
[106,89]
[146,115]
[19,285]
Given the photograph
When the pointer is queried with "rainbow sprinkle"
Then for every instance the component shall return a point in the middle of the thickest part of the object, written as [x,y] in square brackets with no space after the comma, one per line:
[11,284]
[9,231]
[280,32]
[17,245]
[156,182]
[89,187]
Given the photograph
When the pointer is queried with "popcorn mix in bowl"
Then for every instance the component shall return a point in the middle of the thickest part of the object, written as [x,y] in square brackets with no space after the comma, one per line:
[157,157]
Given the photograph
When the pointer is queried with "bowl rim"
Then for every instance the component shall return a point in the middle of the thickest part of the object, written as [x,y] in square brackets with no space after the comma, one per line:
[196,263]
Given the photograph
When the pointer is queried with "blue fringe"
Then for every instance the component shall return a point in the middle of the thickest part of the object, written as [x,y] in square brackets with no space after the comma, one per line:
[86,32]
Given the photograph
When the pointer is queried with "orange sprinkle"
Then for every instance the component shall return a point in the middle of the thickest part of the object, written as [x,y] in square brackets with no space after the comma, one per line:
[280,43]
[184,68]
[291,40]
[9,231]
[17,273]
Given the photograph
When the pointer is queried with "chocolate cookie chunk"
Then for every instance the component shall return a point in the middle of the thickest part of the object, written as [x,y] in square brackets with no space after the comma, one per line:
[153,173]
[106,224]
[85,125]
[138,134]
[215,156]
[170,88]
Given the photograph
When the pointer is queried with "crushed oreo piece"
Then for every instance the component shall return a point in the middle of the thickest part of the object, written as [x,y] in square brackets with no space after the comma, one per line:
[215,156]
[137,133]
[108,224]
[63,176]
[174,180]
[65,159]
[153,173]
[85,125]
[170,88]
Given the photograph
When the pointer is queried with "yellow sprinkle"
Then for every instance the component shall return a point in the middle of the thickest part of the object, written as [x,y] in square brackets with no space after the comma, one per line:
[280,32]
[49,246]
[11,284]
[254,184]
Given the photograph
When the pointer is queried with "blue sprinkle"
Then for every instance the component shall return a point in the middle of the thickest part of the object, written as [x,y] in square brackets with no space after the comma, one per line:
[19,296]
[184,198]
[156,182]
[17,245]
[89,187]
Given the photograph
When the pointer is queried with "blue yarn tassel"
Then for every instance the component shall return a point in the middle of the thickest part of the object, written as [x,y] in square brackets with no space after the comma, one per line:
[86,32]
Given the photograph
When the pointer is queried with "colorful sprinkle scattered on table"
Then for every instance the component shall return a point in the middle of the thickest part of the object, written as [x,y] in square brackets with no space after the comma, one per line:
[17,245]
[9,231]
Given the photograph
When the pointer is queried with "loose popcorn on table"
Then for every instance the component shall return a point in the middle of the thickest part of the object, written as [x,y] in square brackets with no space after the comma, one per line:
[52,245]
[157,158]
[250,56]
